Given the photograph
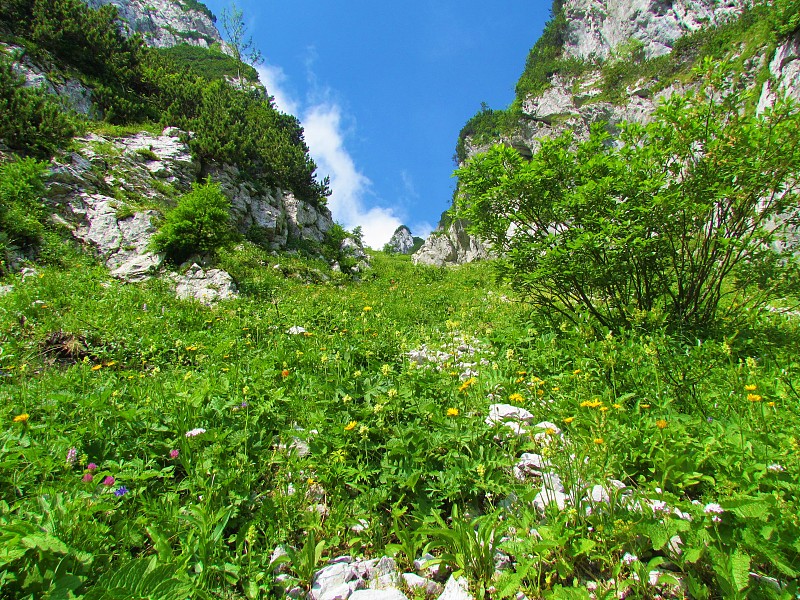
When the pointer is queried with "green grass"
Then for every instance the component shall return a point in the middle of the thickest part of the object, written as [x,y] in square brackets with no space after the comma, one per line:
[122,372]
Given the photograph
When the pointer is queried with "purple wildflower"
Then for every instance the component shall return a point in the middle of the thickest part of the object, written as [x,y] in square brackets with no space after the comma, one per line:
[72,456]
[87,478]
[174,453]
[108,481]
[91,467]
[121,491]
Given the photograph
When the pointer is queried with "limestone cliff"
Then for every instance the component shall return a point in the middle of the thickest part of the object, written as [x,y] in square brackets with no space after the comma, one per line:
[164,23]
[601,38]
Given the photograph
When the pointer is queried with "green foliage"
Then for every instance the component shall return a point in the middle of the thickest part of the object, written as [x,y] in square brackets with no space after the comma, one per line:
[21,208]
[209,63]
[486,125]
[134,84]
[384,444]
[31,122]
[199,224]
[545,58]
[658,227]
[786,16]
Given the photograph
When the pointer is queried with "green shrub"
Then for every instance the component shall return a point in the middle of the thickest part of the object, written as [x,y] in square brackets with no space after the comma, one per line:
[208,62]
[21,209]
[31,122]
[658,228]
[200,223]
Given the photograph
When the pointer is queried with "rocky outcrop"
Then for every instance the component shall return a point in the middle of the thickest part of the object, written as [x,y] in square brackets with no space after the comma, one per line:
[111,190]
[606,30]
[73,93]
[599,28]
[784,68]
[165,23]
[402,242]
[450,246]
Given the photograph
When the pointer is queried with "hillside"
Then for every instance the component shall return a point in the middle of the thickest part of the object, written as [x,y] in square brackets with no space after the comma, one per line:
[142,126]
[208,389]
[615,64]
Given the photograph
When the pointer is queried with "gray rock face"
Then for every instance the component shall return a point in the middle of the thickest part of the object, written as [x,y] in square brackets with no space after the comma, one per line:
[451,246]
[164,23]
[206,287]
[785,68]
[598,28]
[276,215]
[402,242]
[103,192]
[75,96]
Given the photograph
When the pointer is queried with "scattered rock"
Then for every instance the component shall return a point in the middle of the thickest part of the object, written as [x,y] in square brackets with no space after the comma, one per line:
[206,286]
[456,589]
[450,246]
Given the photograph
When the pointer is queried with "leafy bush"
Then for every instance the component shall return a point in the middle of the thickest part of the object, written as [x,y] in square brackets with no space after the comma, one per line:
[199,224]
[658,226]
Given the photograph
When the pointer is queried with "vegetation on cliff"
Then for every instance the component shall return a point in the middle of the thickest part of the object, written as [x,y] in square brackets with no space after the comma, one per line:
[131,83]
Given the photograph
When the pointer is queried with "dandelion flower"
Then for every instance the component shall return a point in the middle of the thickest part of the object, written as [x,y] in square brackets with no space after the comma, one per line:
[569,420]
[661,423]
[195,432]
[750,387]
[367,309]
[350,426]
[97,367]
[516,397]
[599,441]
[644,406]
[576,372]
[754,398]
[466,385]
[452,412]
[22,418]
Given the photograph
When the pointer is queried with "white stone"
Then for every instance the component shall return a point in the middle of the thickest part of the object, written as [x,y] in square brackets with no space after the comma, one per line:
[378,594]
[450,246]
[456,589]
[402,242]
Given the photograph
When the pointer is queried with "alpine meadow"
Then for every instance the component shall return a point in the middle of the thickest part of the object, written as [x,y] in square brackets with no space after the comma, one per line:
[584,384]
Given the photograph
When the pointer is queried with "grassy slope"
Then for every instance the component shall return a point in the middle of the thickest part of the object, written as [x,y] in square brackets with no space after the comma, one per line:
[150,368]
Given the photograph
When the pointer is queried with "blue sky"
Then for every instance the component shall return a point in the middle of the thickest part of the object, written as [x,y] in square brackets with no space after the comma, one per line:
[383,89]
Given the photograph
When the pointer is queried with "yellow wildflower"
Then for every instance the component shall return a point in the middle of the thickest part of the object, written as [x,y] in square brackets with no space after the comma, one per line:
[346,398]
[350,426]
[771,404]
[22,418]
[357,374]
[661,423]
[386,369]
[592,403]
[285,373]
[644,406]
[516,397]
[754,398]
[599,441]
[481,470]
[750,387]
[367,309]
[392,393]
[576,372]
[469,382]
[569,420]
[452,412]
[97,367]
[509,354]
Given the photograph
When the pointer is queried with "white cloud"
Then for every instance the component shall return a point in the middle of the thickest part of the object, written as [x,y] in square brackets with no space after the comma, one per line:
[325,135]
